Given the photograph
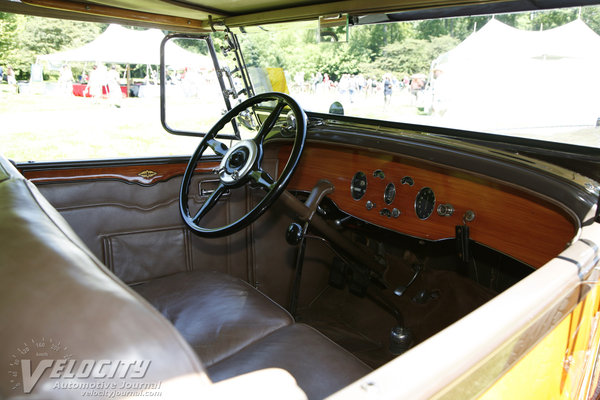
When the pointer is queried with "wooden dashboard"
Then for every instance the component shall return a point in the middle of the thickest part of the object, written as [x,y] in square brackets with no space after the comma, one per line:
[511,220]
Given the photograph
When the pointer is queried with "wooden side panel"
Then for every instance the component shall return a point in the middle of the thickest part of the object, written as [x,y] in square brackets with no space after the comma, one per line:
[514,222]
[141,174]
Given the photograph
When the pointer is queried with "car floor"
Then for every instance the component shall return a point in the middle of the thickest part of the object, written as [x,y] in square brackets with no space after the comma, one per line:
[435,300]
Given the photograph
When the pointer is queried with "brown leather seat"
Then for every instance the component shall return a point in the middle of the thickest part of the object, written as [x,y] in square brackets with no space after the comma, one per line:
[55,293]
[320,366]
[217,314]
[235,329]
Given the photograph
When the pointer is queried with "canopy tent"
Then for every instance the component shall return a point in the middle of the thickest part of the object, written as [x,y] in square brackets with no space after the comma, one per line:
[120,45]
[505,78]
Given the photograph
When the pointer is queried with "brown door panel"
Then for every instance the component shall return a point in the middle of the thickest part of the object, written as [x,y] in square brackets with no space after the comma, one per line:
[128,215]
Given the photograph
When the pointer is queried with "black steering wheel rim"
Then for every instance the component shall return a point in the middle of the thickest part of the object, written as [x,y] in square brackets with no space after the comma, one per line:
[251,170]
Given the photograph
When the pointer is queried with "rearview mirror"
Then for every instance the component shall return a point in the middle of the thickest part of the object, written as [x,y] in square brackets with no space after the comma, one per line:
[333,29]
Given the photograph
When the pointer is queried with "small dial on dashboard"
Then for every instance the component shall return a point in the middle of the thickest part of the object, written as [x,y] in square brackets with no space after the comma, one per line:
[389,194]
[425,203]
[358,186]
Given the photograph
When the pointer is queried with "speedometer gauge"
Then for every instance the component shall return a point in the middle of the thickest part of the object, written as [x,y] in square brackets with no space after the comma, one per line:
[425,203]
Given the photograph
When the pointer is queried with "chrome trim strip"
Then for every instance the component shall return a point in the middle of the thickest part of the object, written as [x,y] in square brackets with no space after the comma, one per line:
[577,263]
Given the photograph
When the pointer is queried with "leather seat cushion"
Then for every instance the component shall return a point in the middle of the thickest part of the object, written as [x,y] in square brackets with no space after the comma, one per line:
[217,314]
[319,365]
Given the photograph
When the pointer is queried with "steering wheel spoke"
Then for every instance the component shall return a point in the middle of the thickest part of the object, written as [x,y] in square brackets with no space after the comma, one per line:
[209,203]
[218,147]
[262,179]
[270,122]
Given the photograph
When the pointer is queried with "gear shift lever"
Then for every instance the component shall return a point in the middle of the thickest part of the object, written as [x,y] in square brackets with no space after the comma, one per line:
[402,288]
[401,337]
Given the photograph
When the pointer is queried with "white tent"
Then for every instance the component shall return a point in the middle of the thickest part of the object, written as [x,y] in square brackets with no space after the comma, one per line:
[504,78]
[120,45]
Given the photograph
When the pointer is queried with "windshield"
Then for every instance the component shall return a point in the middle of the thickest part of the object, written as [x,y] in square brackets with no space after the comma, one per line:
[534,75]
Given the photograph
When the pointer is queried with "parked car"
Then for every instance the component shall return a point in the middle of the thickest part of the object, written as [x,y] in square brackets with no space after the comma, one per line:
[298,252]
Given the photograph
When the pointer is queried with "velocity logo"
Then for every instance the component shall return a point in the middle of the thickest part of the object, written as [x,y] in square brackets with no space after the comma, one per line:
[33,359]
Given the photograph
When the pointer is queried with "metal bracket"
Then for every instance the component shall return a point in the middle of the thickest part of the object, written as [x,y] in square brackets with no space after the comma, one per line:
[207,187]
[211,23]
[463,243]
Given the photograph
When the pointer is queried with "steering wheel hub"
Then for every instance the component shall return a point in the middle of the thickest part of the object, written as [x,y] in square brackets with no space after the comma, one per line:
[238,161]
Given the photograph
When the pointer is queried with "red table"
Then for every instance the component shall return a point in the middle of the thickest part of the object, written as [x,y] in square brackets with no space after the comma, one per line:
[78,90]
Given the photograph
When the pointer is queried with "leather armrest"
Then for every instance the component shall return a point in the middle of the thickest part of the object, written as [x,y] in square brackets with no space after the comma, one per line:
[264,384]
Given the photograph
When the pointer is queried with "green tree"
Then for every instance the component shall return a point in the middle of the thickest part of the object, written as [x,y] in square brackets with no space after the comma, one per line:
[8,27]
[459,28]
[591,16]
[26,37]
[410,56]
[545,20]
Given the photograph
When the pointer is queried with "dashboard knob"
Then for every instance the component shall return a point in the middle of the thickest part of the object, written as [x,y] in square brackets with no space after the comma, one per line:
[445,210]
[294,234]
[469,216]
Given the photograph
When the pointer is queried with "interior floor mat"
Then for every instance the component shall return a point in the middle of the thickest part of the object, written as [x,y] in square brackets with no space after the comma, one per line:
[363,328]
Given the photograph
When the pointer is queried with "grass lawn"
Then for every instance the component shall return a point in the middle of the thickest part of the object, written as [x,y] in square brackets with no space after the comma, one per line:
[40,128]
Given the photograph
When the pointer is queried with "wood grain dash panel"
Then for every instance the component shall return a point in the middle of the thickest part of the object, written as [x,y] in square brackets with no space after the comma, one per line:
[140,174]
[513,221]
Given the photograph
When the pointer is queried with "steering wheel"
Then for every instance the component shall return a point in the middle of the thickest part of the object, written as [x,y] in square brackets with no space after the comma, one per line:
[241,165]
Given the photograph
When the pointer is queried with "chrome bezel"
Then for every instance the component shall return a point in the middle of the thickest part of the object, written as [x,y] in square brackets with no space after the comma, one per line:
[420,195]
[240,173]
[352,187]
[385,191]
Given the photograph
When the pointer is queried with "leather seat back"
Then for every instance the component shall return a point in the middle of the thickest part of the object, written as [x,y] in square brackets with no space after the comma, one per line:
[63,313]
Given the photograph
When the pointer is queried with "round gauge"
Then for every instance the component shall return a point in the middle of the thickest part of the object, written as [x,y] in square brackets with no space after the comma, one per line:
[389,194]
[425,203]
[358,187]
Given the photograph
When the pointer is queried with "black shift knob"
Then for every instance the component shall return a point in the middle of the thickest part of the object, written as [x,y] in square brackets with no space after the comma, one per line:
[294,234]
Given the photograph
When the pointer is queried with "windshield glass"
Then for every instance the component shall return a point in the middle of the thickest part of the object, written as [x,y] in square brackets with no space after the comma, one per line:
[533,75]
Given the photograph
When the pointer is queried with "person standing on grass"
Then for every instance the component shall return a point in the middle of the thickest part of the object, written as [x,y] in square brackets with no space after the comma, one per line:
[387,89]
[114,88]
[11,79]
[65,80]
[96,82]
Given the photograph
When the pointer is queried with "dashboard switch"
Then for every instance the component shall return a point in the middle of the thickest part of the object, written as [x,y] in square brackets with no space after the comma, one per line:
[445,210]
[370,205]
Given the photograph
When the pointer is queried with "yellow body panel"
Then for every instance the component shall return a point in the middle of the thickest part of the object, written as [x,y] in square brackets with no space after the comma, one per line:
[561,365]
